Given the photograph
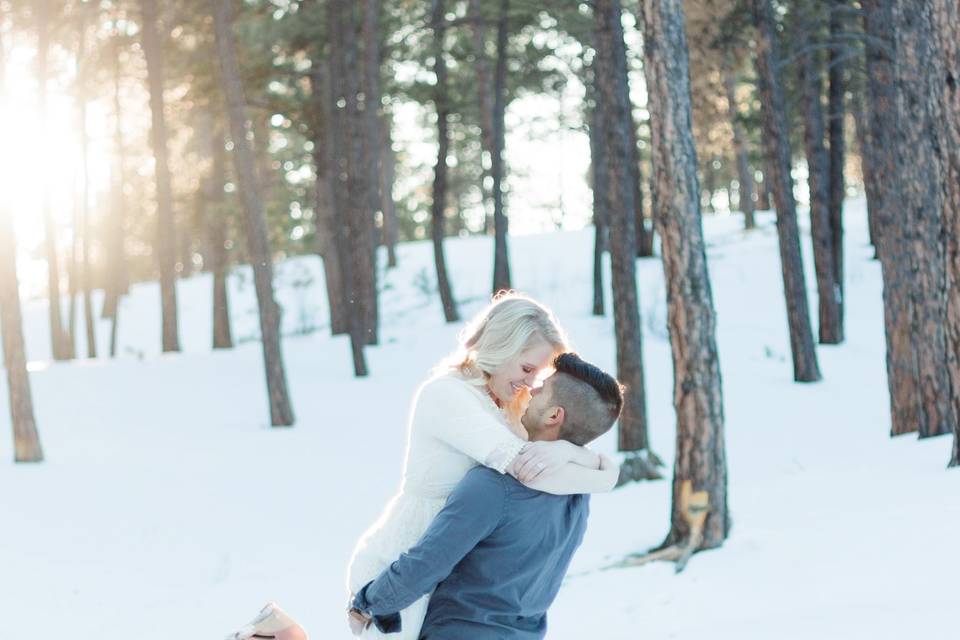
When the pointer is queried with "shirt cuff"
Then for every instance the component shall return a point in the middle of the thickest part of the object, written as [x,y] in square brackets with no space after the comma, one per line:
[386,623]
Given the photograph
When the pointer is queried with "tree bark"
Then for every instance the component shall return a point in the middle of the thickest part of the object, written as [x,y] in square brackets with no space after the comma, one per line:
[744,175]
[613,98]
[86,237]
[644,244]
[818,180]
[347,168]
[777,146]
[58,345]
[391,223]
[482,71]
[691,320]
[372,116]
[118,279]
[166,241]
[763,192]
[870,186]
[601,216]
[501,259]
[214,219]
[442,104]
[835,131]
[923,174]
[281,413]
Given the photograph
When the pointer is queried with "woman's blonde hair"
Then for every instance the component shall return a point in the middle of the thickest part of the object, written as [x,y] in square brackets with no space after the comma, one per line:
[508,326]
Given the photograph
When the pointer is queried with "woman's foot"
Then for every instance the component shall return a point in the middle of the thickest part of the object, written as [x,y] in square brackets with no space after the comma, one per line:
[271,623]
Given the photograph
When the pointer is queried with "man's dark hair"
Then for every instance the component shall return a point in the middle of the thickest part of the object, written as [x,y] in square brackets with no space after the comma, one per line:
[591,398]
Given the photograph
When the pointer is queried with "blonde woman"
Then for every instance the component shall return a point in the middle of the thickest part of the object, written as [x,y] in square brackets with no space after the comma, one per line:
[468,413]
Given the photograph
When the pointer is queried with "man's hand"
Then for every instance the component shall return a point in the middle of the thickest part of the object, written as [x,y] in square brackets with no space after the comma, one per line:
[358,621]
[542,458]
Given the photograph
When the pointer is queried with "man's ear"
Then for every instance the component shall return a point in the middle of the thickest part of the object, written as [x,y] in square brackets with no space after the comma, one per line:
[555,417]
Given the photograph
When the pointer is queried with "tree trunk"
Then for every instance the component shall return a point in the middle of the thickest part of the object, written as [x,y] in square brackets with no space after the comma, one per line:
[644,244]
[835,131]
[818,180]
[870,186]
[922,175]
[281,413]
[372,117]
[482,77]
[26,441]
[613,97]
[84,230]
[118,278]
[347,163]
[214,219]
[763,192]
[326,137]
[391,224]
[58,345]
[601,217]
[441,102]
[777,145]
[166,241]
[501,259]
[697,394]
[744,175]
[946,18]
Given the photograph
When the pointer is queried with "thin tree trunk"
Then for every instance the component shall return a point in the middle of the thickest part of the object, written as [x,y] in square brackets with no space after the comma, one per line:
[391,223]
[482,78]
[922,176]
[818,180]
[501,259]
[601,216]
[777,145]
[441,102]
[281,413]
[372,117]
[744,175]
[117,281]
[613,97]
[26,441]
[84,230]
[697,394]
[213,216]
[870,186]
[763,192]
[346,163]
[835,131]
[57,336]
[166,240]
[644,244]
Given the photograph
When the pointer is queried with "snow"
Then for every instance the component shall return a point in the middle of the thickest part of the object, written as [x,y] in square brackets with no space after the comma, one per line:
[168,507]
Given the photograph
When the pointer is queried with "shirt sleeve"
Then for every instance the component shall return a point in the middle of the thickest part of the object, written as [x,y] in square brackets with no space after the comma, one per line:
[455,416]
[471,514]
[573,479]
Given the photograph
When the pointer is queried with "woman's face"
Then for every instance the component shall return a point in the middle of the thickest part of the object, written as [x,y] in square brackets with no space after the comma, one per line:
[521,372]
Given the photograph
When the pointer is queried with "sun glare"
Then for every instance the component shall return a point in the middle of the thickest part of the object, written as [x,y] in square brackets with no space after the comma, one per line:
[39,158]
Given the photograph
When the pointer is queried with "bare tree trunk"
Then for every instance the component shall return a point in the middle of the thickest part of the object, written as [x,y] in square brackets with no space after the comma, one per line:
[946,19]
[644,244]
[26,441]
[347,163]
[57,336]
[84,231]
[870,186]
[441,102]
[777,144]
[213,217]
[601,216]
[744,175]
[372,117]
[922,174]
[697,394]
[501,259]
[818,179]
[281,413]
[166,241]
[835,131]
[391,223]
[482,74]
[117,281]
[763,192]
[612,95]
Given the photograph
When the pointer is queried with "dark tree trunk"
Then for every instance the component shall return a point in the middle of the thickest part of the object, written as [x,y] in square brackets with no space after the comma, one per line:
[613,98]
[346,168]
[601,217]
[835,130]
[946,18]
[84,231]
[870,186]
[501,259]
[372,122]
[697,394]
[281,413]
[391,223]
[777,145]
[922,174]
[118,278]
[58,345]
[482,76]
[441,102]
[903,380]
[26,441]
[744,175]
[166,241]
[763,192]
[818,180]
[215,220]
[327,135]
[644,244]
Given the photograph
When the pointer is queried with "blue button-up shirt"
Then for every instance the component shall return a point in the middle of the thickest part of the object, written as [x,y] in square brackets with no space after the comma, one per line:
[496,553]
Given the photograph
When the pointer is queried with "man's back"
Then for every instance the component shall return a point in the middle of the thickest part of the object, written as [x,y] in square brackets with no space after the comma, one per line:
[503,587]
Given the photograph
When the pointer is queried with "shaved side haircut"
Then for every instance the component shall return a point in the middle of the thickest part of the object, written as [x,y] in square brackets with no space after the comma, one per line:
[591,398]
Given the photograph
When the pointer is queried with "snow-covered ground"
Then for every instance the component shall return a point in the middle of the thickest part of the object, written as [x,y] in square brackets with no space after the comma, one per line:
[167,507]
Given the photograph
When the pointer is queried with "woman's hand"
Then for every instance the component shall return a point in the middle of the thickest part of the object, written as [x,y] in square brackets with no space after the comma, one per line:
[542,458]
